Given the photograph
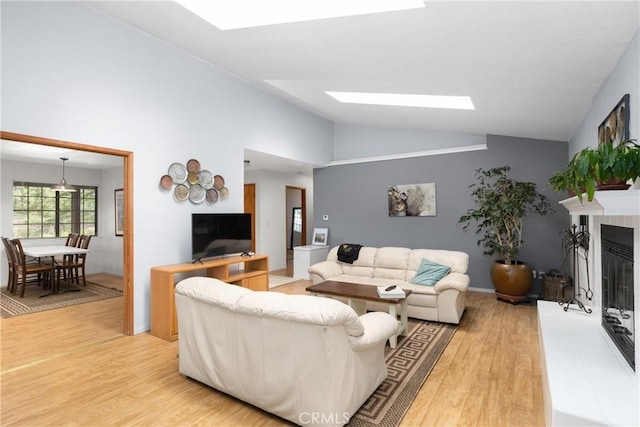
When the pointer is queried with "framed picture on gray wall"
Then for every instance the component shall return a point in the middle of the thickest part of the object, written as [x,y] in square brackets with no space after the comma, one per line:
[320,236]
[412,199]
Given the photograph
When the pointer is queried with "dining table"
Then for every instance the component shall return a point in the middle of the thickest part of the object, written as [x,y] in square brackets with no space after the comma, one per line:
[52,251]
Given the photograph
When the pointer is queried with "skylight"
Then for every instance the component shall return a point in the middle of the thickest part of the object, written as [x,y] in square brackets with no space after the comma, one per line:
[233,14]
[404,100]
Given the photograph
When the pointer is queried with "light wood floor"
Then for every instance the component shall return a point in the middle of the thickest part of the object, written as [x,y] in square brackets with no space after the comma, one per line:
[73,366]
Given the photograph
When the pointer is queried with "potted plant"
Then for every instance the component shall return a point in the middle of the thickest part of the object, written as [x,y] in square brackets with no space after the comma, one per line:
[607,167]
[502,203]
[615,165]
[577,178]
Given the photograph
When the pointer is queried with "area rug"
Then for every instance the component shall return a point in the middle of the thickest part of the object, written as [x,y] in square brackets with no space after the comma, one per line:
[13,305]
[409,365]
[275,281]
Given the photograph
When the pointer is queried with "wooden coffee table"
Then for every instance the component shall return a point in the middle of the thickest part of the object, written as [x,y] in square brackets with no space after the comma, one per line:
[358,295]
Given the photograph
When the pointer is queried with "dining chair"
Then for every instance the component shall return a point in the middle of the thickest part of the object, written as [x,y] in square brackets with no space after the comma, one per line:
[72,241]
[25,269]
[83,242]
[12,276]
[74,264]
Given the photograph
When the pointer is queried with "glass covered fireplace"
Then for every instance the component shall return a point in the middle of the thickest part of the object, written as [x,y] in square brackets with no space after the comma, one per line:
[617,288]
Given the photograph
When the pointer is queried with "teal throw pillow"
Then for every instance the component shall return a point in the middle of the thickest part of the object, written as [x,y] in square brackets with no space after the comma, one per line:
[429,273]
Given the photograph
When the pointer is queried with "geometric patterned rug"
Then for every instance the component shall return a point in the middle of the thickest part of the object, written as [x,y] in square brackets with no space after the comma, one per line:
[408,365]
[13,305]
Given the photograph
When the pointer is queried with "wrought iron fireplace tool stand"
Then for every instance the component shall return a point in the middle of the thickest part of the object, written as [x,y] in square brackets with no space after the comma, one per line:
[572,240]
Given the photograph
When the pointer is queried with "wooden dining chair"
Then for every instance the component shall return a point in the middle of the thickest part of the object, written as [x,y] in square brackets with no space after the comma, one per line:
[74,264]
[83,242]
[12,276]
[72,241]
[26,269]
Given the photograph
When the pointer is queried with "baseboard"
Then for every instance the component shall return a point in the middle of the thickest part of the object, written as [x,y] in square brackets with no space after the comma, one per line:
[492,291]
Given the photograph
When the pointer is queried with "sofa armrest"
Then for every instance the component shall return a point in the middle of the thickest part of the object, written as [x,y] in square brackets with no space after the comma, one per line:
[456,281]
[378,327]
[326,269]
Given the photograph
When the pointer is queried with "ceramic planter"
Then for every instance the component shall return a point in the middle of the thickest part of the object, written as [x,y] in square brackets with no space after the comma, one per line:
[511,281]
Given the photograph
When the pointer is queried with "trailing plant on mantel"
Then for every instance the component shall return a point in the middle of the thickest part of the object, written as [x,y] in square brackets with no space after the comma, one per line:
[502,203]
[594,168]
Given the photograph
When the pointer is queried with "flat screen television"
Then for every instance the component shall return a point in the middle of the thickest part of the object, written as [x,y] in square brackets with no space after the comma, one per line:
[219,234]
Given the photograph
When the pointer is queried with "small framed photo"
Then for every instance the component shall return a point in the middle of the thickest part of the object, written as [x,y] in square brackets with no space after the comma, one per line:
[320,236]
[119,211]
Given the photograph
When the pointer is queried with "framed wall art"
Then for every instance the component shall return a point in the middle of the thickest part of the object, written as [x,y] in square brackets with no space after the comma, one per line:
[412,199]
[119,211]
[615,127]
[320,236]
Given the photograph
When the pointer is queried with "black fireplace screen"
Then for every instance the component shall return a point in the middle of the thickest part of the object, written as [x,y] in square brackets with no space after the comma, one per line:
[617,288]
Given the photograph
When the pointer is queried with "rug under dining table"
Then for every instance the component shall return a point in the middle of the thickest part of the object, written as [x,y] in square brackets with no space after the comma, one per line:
[13,305]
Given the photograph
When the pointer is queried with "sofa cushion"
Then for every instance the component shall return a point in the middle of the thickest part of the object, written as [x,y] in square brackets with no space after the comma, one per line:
[429,273]
[391,263]
[390,257]
[458,261]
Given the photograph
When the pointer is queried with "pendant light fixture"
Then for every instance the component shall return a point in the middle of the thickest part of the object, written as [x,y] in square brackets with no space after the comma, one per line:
[63,186]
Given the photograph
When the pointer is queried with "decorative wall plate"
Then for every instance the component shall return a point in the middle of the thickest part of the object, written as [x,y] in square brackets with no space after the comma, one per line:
[197,193]
[224,192]
[218,182]
[212,195]
[166,182]
[178,173]
[181,192]
[192,178]
[191,182]
[193,166]
[205,179]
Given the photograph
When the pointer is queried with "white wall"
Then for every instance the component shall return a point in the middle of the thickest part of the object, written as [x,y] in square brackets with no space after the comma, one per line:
[71,73]
[624,78]
[356,142]
[271,206]
[112,179]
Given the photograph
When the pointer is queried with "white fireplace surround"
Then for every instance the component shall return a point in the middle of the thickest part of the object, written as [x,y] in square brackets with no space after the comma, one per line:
[586,380]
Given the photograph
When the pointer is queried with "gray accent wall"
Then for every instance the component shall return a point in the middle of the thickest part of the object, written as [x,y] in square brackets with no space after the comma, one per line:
[354,196]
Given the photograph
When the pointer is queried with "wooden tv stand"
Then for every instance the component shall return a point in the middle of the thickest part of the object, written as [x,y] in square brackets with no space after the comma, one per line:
[164,322]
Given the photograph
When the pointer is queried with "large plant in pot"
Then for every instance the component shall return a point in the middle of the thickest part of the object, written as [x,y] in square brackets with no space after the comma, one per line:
[502,203]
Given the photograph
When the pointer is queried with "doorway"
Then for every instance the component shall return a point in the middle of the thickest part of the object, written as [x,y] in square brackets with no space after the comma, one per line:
[127,257]
[296,220]
[250,208]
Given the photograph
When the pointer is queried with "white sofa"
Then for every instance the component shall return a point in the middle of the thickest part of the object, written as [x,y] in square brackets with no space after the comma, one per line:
[307,359]
[443,302]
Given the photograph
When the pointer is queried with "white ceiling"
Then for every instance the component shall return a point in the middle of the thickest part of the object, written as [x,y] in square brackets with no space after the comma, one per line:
[532,68]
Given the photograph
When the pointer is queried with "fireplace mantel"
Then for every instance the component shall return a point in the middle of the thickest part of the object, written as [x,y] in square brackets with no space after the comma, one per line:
[614,202]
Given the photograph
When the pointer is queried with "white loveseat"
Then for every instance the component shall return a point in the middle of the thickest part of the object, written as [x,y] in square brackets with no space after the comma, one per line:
[307,359]
[443,302]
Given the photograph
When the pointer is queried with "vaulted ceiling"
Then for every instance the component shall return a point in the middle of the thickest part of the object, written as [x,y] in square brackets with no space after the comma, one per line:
[531,68]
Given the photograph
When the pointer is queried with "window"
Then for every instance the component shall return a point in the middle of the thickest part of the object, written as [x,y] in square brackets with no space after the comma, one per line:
[39,212]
